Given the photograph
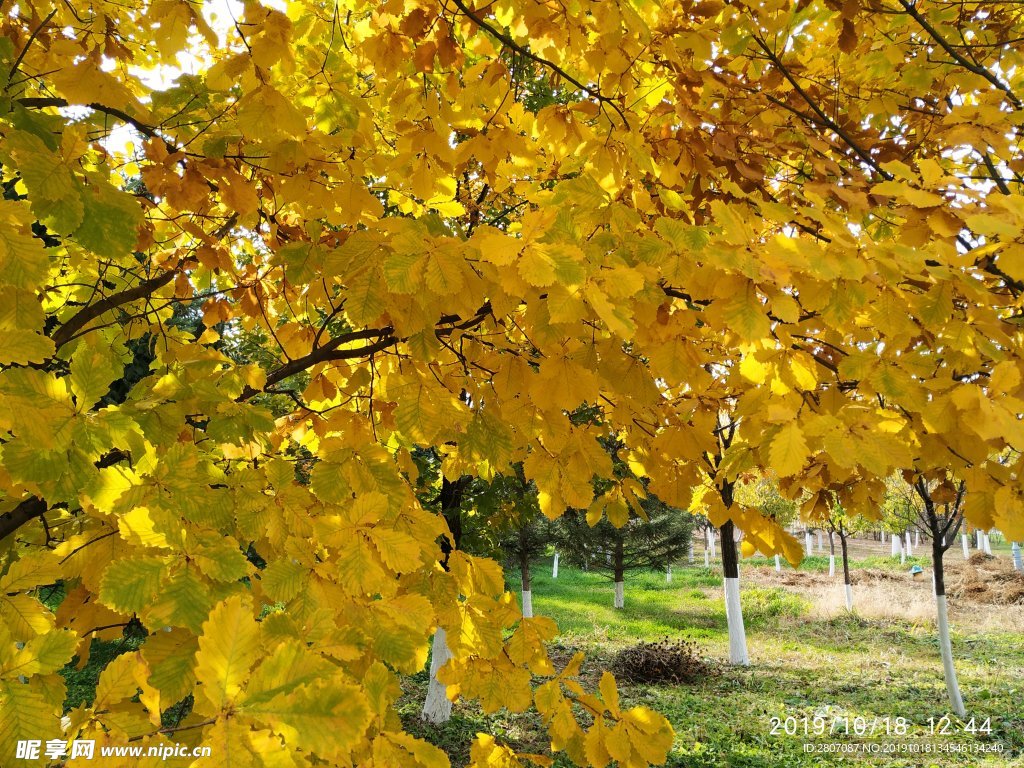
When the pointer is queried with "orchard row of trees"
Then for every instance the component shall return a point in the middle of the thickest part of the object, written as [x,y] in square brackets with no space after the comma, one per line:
[280,283]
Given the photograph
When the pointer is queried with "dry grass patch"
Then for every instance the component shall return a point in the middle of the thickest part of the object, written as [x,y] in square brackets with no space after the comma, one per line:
[983,595]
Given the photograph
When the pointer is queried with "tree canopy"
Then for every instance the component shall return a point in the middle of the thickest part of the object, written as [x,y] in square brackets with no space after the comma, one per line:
[254,256]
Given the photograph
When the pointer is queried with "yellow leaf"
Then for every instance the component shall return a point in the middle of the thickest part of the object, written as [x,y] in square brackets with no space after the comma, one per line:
[228,647]
[788,450]
[610,693]
[22,347]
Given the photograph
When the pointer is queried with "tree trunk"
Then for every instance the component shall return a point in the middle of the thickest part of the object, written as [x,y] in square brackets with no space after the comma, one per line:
[437,708]
[808,544]
[620,576]
[906,545]
[733,607]
[966,546]
[778,563]
[554,567]
[668,573]
[896,546]
[987,544]
[847,584]
[831,554]
[689,551]
[524,569]
[945,647]
[1018,565]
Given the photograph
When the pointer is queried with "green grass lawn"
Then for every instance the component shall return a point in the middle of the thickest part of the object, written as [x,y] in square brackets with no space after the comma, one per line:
[803,665]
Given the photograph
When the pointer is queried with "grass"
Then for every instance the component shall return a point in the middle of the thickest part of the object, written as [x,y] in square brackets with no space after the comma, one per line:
[809,658]
[807,662]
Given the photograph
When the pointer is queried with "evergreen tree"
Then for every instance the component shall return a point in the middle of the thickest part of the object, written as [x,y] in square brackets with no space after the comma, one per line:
[654,543]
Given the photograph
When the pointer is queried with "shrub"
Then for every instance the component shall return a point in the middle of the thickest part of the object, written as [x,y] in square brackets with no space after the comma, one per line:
[666,661]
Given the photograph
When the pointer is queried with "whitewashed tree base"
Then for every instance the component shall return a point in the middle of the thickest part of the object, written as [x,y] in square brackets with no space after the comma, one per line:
[778,563]
[849,597]
[707,559]
[668,574]
[1018,564]
[831,565]
[527,604]
[734,618]
[906,546]
[986,544]
[896,546]
[620,595]
[946,650]
[965,546]
[554,567]
[808,545]
[437,708]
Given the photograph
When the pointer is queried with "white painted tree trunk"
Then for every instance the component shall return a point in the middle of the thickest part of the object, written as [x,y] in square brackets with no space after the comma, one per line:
[711,542]
[554,567]
[903,556]
[906,545]
[849,597]
[707,559]
[896,546]
[689,551]
[987,544]
[965,546]
[917,538]
[668,574]
[734,618]
[1017,563]
[527,604]
[437,708]
[946,650]
[831,565]
[808,544]
[778,563]
[820,547]
[620,595]
[977,544]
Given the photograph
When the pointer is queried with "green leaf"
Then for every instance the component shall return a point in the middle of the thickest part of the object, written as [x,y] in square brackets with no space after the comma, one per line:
[111,223]
[92,371]
[23,347]
[327,717]
[129,585]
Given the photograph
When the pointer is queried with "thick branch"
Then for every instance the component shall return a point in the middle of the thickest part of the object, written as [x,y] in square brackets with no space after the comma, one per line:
[27,510]
[384,338]
[83,317]
[141,127]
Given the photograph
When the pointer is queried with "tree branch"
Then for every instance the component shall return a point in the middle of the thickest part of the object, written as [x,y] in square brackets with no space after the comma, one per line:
[970,66]
[513,45]
[69,330]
